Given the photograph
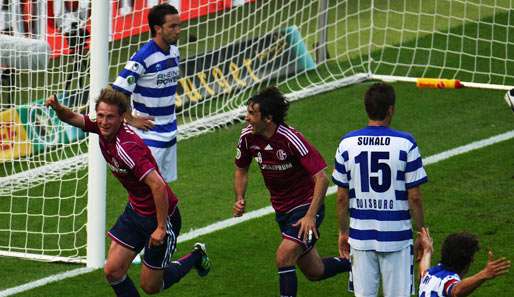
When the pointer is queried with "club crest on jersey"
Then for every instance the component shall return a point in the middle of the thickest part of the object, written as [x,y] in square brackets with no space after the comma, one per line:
[258,158]
[281,155]
[238,153]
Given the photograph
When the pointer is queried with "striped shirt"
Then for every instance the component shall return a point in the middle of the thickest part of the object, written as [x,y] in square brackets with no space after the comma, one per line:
[130,162]
[287,162]
[150,78]
[438,282]
[377,165]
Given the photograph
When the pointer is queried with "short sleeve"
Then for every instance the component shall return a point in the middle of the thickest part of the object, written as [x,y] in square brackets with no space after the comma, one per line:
[90,126]
[340,175]
[127,79]
[415,174]
[137,158]
[308,155]
[243,157]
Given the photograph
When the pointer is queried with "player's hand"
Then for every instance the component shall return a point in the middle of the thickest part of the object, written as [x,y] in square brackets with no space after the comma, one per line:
[141,122]
[495,268]
[239,208]
[418,248]
[344,246]
[308,229]
[52,102]
[425,240]
[157,237]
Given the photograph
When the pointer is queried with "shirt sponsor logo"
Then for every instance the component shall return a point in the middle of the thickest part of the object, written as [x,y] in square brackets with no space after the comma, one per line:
[276,167]
[116,169]
[167,78]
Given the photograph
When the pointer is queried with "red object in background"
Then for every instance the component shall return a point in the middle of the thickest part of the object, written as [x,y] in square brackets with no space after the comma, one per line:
[133,23]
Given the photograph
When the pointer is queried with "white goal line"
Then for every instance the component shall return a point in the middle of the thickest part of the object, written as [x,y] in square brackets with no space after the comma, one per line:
[255,214]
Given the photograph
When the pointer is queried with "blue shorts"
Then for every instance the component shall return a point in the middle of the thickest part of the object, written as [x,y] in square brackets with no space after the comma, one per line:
[286,220]
[133,231]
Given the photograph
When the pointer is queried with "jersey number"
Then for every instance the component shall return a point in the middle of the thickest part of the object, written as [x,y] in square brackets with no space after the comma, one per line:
[376,167]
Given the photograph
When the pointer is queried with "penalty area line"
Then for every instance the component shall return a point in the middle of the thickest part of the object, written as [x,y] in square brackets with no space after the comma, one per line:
[256,214]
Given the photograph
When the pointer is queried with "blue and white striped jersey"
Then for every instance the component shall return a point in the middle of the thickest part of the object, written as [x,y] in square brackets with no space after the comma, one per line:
[438,282]
[150,78]
[377,165]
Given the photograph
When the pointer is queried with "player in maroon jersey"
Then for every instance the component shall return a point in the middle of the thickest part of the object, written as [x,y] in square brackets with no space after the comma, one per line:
[151,219]
[294,173]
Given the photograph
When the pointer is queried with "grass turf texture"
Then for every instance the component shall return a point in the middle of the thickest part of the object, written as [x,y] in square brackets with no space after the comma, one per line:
[471,192]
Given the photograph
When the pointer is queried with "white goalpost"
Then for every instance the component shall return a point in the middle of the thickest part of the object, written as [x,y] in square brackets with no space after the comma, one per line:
[52,176]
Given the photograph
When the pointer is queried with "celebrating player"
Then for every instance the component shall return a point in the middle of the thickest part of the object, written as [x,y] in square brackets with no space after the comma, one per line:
[294,173]
[457,254]
[151,219]
[150,78]
[378,172]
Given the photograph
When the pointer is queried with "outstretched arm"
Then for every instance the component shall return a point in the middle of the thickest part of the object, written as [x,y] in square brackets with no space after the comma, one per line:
[492,269]
[65,114]
[240,183]
[427,246]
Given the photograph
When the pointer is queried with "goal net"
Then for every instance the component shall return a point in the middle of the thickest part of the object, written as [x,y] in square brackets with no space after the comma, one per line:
[229,49]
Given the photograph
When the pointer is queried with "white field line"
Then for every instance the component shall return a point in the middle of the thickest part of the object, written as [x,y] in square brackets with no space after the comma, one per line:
[257,214]
[44,281]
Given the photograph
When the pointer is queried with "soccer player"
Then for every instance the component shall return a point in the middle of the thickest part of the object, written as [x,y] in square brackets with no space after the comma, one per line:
[378,172]
[457,253]
[151,219]
[294,173]
[150,79]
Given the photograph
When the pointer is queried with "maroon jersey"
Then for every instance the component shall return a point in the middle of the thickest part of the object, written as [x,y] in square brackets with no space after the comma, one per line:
[130,161]
[287,162]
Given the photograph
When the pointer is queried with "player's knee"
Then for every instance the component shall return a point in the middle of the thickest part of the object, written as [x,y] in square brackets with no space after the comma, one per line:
[113,274]
[150,289]
[285,258]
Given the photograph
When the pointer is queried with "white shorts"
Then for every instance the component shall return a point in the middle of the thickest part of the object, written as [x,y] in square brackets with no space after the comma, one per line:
[167,161]
[395,269]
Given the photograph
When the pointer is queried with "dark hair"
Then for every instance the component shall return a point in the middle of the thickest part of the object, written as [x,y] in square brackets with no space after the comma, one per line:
[157,14]
[271,103]
[113,97]
[377,100]
[458,250]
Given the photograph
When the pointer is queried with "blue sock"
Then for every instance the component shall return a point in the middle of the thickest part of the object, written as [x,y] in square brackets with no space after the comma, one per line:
[335,265]
[288,282]
[178,269]
[125,288]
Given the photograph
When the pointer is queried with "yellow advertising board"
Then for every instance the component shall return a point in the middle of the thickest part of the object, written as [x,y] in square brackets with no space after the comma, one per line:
[14,142]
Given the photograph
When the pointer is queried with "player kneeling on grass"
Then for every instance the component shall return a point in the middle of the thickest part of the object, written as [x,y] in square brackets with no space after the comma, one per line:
[151,219]
[457,253]
[294,173]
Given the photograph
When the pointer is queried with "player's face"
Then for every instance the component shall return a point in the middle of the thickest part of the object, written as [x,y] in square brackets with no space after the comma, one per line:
[254,118]
[108,120]
[170,30]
